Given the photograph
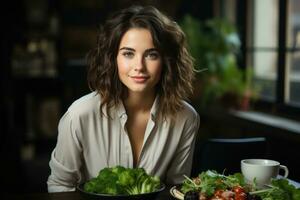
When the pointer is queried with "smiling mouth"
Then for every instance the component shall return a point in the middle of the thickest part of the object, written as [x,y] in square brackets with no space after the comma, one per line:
[139,79]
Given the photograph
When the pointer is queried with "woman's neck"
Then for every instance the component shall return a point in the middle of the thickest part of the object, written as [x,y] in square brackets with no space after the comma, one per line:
[137,102]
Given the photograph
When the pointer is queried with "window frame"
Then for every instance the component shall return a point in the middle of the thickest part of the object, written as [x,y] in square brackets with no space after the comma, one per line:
[243,22]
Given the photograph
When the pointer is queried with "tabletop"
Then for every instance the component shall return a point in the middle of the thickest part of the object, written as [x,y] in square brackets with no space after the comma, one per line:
[164,195]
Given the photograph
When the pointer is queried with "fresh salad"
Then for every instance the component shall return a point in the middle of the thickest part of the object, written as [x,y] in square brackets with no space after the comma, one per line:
[210,185]
[122,181]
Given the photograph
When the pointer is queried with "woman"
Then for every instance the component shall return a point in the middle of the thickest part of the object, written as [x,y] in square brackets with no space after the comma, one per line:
[140,74]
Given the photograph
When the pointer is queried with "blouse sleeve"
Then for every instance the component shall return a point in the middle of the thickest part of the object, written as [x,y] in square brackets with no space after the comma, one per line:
[65,159]
[182,161]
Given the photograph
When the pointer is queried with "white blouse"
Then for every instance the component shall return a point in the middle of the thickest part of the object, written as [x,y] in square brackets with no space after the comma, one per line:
[87,142]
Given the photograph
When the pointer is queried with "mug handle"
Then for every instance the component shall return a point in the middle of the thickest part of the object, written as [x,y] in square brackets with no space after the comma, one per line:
[286,170]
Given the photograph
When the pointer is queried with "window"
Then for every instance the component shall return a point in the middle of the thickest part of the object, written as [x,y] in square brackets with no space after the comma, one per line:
[263,45]
[292,95]
[272,49]
[270,33]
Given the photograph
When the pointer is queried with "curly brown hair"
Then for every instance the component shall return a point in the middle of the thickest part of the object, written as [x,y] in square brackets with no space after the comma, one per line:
[177,73]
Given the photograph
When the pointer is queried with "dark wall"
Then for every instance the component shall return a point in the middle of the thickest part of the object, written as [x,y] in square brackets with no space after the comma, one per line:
[12,23]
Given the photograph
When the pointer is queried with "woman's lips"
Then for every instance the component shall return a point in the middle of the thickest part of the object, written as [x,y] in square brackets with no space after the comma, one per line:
[139,79]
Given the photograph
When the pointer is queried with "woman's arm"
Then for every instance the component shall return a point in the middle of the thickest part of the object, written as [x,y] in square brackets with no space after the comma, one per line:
[66,158]
[182,161]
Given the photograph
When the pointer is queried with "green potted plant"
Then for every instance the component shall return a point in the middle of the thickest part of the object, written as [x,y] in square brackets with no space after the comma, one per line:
[214,45]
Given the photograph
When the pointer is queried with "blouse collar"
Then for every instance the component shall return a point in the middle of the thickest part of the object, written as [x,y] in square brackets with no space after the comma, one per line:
[153,112]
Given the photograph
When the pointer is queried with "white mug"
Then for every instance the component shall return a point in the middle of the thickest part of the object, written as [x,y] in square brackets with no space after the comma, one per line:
[262,170]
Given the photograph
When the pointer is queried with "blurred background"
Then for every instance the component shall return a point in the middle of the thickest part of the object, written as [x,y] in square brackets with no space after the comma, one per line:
[249,85]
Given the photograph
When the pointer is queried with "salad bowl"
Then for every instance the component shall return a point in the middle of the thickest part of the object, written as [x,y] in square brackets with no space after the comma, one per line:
[120,183]
[96,196]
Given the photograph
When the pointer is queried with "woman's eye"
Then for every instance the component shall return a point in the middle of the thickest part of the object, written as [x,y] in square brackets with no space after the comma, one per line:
[128,54]
[152,55]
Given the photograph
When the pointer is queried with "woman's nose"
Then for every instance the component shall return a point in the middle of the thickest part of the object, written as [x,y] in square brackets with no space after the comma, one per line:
[139,64]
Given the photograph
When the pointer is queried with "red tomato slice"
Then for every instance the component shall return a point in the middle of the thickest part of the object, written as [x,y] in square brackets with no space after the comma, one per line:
[238,189]
[241,196]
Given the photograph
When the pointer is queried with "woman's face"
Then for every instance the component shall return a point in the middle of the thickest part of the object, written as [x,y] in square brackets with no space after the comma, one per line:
[139,62]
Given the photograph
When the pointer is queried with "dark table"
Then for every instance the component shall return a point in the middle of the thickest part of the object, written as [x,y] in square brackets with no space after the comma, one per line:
[164,195]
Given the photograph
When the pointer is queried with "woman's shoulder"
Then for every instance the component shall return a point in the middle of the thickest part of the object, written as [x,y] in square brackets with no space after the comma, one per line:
[189,116]
[188,110]
[88,103]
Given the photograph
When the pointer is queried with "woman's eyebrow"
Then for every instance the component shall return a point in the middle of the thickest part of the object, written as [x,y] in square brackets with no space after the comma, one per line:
[127,48]
[131,49]
[152,49]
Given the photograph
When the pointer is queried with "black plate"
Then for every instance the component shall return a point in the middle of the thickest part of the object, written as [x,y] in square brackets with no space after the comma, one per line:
[94,196]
